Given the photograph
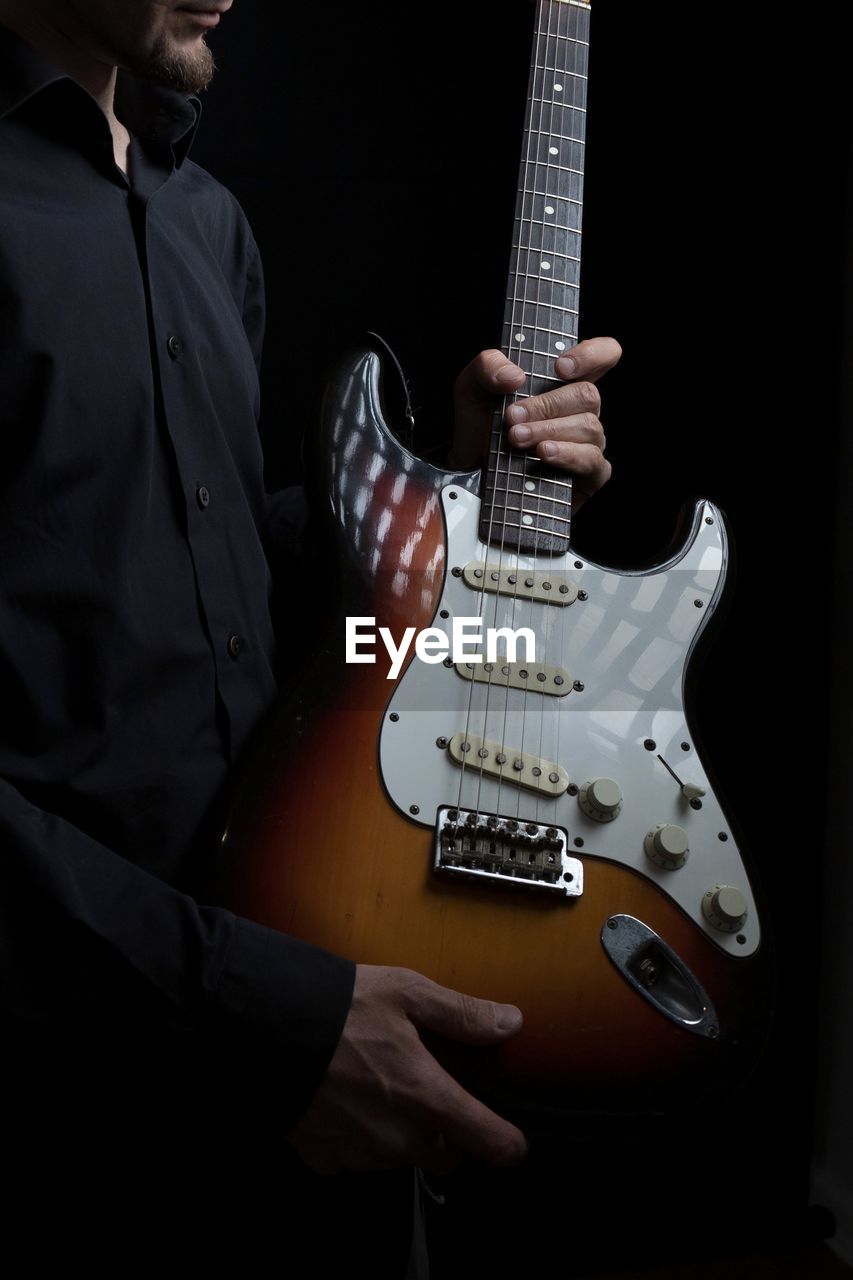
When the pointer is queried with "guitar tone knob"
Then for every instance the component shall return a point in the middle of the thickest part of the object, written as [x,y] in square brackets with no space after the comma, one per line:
[601,799]
[725,907]
[667,846]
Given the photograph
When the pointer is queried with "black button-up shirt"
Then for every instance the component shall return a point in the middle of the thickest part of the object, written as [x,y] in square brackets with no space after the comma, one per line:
[136,647]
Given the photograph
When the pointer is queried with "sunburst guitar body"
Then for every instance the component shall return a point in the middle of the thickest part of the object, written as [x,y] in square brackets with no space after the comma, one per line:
[540,828]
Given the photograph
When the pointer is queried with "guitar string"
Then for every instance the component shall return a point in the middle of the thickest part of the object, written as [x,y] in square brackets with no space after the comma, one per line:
[539,74]
[500,434]
[579,19]
[518,327]
[532,465]
[547,613]
[548,616]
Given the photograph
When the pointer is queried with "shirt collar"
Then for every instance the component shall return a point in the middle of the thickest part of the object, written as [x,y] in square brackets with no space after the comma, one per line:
[148,110]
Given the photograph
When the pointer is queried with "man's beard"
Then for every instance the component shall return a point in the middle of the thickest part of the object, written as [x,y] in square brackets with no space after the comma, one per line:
[187,72]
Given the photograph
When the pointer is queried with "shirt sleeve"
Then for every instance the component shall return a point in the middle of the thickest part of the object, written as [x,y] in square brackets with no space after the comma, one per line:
[96,950]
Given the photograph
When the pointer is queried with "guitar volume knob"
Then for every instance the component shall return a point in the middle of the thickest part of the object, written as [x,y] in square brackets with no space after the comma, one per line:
[725,907]
[601,799]
[667,846]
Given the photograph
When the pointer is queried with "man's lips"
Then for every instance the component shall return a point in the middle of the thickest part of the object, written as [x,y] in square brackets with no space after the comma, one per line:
[206,14]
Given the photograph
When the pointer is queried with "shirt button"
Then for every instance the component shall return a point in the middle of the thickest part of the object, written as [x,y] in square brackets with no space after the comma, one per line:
[175,346]
[202,496]
[236,645]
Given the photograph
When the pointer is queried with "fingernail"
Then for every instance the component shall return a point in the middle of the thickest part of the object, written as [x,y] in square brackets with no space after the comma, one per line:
[520,435]
[507,1017]
[547,449]
[567,366]
[508,375]
[516,413]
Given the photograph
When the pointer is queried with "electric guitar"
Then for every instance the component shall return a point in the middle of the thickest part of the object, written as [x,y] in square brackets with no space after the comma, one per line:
[536,826]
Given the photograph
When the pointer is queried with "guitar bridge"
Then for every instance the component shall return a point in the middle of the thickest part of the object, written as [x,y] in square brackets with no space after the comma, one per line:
[506,851]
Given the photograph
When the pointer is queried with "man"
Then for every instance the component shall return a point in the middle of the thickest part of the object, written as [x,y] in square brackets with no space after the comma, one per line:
[137,656]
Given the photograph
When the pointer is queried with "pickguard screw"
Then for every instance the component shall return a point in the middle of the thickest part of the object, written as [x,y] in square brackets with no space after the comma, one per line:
[441,743]
[714,1032]
[685,746]
[613,923]
[578,686]
[582,595]
[578,842]
[445,613]
[573,788]
[578,564]
[698,603]
[448,662]
[709,520]
[568,877]
[414,808]
[649,744]
[453,494]
[696,803]
[456,571]
[722,836]
[394,717]
[741,939]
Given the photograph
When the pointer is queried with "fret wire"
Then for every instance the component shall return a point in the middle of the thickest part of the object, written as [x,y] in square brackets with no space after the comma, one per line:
[578,75]
[525,511]
[529,528]
[554,35]
[515,493]
[541,328]
[532,302]
[547,195]
[564,137]
[561,168]
[517,456]
[567,106]
[525,350]
[564,284]
[540,222]
[554,253]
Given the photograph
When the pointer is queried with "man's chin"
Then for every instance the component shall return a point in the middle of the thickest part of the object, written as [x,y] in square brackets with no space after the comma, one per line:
[185,70]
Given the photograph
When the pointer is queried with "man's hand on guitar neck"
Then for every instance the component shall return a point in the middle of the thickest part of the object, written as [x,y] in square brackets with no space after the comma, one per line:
[385,1101]
[561,425]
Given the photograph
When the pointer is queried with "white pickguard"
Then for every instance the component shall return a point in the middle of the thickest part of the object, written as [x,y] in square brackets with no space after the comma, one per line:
[628,644]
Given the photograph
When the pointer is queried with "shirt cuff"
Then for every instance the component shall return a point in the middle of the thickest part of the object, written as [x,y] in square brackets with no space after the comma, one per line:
[291,1000]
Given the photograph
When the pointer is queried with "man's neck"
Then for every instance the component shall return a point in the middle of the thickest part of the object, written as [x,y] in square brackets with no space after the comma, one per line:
[66,49]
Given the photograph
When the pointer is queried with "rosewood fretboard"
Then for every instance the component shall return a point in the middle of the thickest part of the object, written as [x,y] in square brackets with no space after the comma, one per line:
[527,504]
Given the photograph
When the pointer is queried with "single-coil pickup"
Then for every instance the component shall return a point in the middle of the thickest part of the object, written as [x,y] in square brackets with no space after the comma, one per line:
[521,768]
[553,681]
[522,584]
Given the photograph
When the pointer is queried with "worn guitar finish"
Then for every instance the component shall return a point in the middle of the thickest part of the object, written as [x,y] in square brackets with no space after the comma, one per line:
[542,832]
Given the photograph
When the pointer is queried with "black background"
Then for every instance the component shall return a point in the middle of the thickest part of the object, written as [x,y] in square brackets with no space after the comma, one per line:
[375,150]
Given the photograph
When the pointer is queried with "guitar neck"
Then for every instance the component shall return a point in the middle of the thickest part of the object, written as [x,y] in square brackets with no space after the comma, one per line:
[527,505]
